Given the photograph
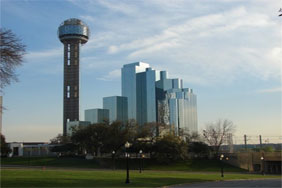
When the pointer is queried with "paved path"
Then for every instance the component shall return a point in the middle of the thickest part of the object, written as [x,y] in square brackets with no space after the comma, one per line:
[267,183]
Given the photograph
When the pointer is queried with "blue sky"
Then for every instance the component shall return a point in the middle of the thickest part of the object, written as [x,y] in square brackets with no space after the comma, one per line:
[228,51]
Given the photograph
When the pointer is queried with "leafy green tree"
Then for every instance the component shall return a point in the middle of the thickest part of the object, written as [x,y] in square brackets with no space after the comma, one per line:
[66,149]
[5,149]
[63,145]
[268,149]
[60,139]
[118,134]
[265,149]
[104,137]
[169,148]
[200,149]
[91,138]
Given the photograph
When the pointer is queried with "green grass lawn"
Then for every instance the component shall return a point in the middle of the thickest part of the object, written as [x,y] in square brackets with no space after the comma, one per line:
[195,166]
[189,165]
[108,178]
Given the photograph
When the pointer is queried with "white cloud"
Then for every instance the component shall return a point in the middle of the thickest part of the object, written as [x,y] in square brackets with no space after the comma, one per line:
[112,75]
[220,46]
[44,53]
[154,48]
[118,6]
[218,43]
[271,90]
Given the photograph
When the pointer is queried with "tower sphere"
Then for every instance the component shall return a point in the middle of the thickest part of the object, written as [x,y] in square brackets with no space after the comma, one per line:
[73,29]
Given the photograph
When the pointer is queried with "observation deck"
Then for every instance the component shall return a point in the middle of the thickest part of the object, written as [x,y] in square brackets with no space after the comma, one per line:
[73,29]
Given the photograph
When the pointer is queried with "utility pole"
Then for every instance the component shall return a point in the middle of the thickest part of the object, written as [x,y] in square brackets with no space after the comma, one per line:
[260,143]
[245,140]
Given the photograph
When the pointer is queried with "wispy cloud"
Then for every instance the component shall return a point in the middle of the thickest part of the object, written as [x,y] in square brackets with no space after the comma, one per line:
[219,46]
[271,90]
[112,75]
[118,6]
[44,53]
[218,43]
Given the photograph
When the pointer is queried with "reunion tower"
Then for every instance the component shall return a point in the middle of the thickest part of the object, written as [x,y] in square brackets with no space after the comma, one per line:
[72,33]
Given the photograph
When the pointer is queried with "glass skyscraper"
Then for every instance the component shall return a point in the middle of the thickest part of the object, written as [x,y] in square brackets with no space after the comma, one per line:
[146,96]
[117,107]
[96,115]
[182,105]
[162,86]
[176,106]
[128,85]
[153,97]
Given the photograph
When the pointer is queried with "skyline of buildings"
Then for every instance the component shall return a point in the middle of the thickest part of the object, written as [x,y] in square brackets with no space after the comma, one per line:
[150,96]
[232,80]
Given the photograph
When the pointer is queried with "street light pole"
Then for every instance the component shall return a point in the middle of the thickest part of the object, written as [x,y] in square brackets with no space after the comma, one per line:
[28,157]
[127,145]
[127,169]
[262,165]
[113,156]
[222,164]
[140,161]
[221,160]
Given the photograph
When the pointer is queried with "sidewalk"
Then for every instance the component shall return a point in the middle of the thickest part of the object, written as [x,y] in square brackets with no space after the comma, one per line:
[267,183]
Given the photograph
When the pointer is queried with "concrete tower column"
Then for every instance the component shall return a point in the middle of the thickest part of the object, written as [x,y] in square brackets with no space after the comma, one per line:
[71,82]
[71,33]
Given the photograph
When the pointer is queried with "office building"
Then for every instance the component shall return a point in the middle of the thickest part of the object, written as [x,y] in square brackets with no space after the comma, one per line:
[162,86]
[96,115]
[182,107]
[165,84]
[146,96]
[117,106]
[128,84]
[149,96]
[72,33]
[176,106]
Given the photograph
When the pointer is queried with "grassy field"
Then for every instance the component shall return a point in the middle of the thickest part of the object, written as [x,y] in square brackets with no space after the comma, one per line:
[107,178]
[189,165]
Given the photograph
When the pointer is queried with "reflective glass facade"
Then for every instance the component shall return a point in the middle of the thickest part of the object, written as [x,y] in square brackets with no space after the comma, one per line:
[128,85]
[176,106]
[164,84]
[96,115]
[152,97]
[146,96]
[117,107]
[182,104]
[73,29]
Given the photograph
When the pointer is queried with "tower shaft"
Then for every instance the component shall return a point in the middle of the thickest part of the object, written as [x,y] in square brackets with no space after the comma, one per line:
[71,82]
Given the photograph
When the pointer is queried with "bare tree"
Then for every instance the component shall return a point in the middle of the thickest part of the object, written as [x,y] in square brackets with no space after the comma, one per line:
[12,51]
[216,132]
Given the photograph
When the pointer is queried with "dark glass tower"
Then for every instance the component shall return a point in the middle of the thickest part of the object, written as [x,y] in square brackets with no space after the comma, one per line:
[72,33]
